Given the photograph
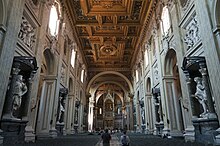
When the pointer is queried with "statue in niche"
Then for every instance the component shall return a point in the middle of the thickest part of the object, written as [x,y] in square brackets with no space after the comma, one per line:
[142,115]
[76,116]
[61,109]
[201,95]
[19,90]
[77,104]
[119,110]
[159,112]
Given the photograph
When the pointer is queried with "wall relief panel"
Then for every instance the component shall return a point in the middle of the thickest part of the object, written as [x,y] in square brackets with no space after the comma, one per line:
[192,36]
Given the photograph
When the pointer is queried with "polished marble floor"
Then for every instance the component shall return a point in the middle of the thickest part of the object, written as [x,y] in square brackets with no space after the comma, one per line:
[85,139]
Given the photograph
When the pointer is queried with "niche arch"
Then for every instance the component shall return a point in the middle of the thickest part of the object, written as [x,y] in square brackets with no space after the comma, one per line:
[50,61]
[148,85]
[170,61]
[71,85]
[173,93]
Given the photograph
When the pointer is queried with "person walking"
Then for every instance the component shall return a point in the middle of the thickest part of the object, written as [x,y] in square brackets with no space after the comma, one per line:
[124,139]
[106,137]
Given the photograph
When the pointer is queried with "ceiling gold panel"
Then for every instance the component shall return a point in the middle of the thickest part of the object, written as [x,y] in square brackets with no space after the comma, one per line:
[108,31]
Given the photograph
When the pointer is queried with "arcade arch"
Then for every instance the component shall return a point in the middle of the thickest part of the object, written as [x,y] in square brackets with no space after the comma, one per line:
[47,94]
[103,88]
[173,93]
[149,110]
[88,89]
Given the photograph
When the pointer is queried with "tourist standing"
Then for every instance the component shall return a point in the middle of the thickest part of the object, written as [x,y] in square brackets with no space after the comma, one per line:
[106,137]
[125,139]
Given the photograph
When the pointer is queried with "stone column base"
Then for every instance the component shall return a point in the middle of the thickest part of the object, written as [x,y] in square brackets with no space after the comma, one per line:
[64,131]
[160,128]
[143,128]
[165,131]
[147,131]
[189,134]
[75,129]
[53,132]
[155,131]
[72,131]
[59,127]
[13,131]
[29,134]
[205,129]
[1,138]
[217,137]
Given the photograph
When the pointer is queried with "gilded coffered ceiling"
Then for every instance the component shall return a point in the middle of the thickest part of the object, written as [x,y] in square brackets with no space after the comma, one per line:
[108,31]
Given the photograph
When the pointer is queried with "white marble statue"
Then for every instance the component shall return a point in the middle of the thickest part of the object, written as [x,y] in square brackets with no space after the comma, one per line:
[19,90]
[62,110]
[201,94]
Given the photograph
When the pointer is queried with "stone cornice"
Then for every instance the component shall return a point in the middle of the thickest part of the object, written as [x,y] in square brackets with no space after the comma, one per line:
[71,18]
[144,29]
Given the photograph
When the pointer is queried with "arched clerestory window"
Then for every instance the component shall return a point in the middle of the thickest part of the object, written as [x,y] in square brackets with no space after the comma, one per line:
[146,61]
[137,75]
[165,21]
[73,58]
[54,19]
[82,75]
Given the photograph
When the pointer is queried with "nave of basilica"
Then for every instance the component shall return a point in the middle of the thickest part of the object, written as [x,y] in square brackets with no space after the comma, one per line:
[76,66]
